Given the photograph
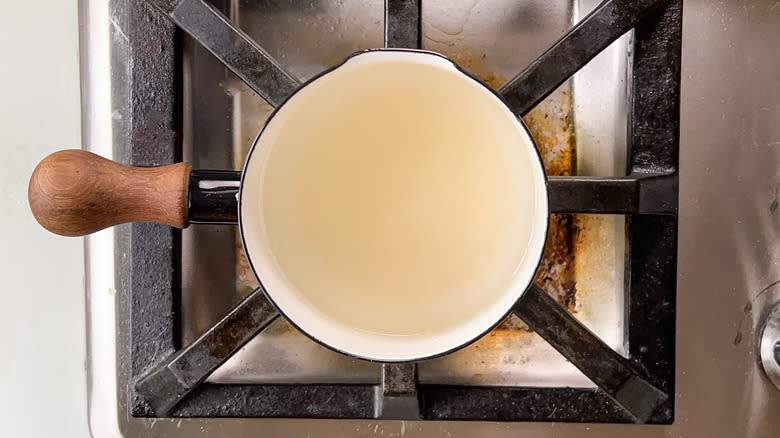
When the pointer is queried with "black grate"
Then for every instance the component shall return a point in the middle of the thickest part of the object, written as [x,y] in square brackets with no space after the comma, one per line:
[166,380]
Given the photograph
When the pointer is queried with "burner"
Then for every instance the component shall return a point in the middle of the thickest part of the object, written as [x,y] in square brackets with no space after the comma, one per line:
[171,358]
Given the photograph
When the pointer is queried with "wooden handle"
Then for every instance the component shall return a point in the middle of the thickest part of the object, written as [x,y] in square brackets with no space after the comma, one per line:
[74,193]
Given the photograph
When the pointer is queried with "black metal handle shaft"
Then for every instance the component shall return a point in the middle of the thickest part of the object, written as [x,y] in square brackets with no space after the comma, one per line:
[213,196]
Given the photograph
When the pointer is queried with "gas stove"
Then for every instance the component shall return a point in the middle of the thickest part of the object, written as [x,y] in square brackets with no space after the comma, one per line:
[182,339]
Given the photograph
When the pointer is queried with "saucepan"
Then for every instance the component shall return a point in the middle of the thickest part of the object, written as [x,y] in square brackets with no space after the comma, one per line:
[393,208]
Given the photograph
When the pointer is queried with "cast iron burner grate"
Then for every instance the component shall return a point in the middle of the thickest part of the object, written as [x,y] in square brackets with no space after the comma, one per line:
[167,381]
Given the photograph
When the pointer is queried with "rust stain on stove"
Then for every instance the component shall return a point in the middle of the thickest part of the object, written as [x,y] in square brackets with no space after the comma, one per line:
[551,125]
[475,64]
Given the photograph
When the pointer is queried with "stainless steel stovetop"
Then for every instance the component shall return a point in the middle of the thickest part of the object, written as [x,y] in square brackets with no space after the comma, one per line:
[728,202]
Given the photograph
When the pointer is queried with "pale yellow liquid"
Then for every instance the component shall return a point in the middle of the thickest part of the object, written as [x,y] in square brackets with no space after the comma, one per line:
[401,200]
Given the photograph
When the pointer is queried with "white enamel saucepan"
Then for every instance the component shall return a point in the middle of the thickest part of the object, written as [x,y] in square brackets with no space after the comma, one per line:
[393,209]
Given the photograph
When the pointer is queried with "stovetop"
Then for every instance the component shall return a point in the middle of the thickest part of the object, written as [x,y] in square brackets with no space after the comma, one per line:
[171,98]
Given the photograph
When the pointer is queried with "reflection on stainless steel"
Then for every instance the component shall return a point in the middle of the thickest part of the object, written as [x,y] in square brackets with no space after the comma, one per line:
[282,354]
[307,37]
[769,347]
[728,225]
[97,85]
[509,34]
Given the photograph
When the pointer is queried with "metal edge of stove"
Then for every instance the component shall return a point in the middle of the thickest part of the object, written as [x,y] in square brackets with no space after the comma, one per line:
[745,409]
[96,84]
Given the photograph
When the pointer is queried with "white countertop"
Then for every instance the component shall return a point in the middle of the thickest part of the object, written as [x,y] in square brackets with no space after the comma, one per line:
[42,376]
